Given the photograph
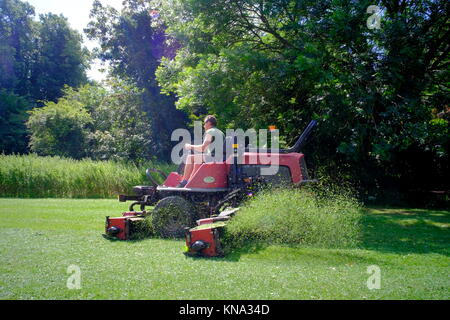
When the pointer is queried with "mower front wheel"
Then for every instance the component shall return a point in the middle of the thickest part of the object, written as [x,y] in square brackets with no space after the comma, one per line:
[172,215]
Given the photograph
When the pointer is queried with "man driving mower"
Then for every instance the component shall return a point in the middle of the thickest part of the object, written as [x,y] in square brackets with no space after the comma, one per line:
[206,155]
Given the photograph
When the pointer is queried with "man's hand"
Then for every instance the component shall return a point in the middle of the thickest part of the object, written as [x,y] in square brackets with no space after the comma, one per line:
[200,147]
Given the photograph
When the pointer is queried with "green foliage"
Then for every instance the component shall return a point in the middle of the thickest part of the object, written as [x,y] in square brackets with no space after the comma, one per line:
[48,177]
[60,58]
[95,122]
[133,44]
[59,129]
[296,217]
[121,129]
[377,93]
[37,59]
[16,45]
[12,122]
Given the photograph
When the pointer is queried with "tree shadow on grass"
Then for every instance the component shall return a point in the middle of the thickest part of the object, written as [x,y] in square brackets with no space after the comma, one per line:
[406,231]
[234,255]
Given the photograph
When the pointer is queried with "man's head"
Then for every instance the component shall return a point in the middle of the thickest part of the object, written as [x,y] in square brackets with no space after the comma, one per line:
[210,122]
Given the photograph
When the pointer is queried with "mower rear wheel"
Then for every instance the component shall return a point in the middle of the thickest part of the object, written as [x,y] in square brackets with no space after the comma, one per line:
[172,215]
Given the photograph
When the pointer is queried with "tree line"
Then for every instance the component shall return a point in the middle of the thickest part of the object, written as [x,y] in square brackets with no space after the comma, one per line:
[37,58]
[48,105]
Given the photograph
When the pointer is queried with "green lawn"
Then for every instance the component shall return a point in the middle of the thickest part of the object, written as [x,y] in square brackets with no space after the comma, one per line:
[41,238]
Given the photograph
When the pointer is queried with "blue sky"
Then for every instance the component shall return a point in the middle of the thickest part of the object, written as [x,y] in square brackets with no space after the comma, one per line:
[77,12]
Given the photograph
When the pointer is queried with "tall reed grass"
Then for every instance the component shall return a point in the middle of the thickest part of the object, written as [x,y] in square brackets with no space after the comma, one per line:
[32,176]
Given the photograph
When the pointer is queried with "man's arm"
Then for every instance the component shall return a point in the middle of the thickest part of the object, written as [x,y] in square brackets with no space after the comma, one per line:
[200,147]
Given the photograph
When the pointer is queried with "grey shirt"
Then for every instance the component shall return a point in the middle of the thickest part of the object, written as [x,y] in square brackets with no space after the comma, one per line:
[218,140]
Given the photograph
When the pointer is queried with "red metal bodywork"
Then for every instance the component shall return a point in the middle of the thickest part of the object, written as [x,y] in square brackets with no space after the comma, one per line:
[214,175]
[210,175]
[290,160]
[208,235]
[121,223]
[173,180]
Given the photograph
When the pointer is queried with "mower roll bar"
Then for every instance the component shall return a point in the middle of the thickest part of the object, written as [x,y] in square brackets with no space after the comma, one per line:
[302,140]
[297,146]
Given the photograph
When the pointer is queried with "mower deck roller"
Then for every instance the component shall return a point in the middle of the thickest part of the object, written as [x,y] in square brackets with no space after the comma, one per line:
[214,186]
[171,215]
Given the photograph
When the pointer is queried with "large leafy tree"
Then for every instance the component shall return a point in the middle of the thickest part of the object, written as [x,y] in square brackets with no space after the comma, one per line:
[16,45]
[37,58]
[60,128]
[133,44]
[13,134]
[381,94]
[60,59]
[120,130]
[16,50]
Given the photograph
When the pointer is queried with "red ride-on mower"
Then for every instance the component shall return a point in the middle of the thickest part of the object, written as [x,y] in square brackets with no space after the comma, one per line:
[213,187]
